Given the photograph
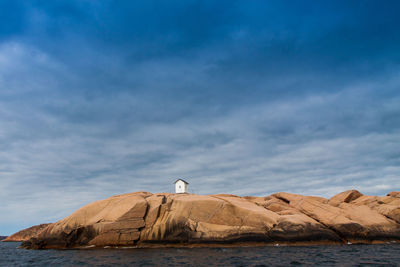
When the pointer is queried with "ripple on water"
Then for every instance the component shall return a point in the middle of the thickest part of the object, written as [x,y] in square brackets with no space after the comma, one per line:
[354,255]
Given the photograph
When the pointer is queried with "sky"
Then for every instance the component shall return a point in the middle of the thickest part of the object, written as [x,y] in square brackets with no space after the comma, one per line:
[99,98]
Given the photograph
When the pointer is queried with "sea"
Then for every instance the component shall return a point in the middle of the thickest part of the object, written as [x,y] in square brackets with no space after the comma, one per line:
[333,255]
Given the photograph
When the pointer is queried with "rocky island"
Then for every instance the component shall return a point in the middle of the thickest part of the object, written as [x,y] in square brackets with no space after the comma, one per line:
[144,219]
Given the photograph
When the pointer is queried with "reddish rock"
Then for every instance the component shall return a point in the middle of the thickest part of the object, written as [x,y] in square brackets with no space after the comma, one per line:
[352,222]
[142,219]
[388,206]
[26,234]
[394,194]
[344,197]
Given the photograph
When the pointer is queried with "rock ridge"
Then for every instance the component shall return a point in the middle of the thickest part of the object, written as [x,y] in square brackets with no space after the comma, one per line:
[143,219]
[26,234]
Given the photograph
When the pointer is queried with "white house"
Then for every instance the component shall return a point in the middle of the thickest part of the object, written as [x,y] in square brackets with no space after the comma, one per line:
[181,186]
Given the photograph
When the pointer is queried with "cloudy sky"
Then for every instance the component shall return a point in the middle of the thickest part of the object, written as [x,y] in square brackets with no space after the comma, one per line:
[99,98]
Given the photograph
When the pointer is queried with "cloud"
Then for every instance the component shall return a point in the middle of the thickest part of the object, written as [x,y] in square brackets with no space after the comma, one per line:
[241,98]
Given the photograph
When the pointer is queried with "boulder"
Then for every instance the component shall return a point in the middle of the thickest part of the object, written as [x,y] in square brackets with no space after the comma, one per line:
[344,197]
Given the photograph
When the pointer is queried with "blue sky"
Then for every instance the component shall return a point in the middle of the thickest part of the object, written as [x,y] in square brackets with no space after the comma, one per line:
[246,97]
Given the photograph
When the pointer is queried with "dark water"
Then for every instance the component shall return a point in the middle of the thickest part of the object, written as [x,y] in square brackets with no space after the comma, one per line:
[346,255]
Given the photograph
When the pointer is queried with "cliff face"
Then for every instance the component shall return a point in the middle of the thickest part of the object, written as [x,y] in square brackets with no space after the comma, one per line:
[26,234]
[142,219]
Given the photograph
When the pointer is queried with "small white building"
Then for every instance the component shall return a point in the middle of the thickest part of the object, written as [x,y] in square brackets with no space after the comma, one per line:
[181,186]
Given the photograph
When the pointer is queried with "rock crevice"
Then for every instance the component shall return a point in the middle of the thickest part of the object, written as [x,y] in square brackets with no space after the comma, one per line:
[142,219]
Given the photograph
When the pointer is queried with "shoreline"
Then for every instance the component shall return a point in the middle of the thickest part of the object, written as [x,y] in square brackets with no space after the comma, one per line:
[224,245]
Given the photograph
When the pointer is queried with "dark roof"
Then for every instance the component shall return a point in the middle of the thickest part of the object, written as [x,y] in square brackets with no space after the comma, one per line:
[181,180]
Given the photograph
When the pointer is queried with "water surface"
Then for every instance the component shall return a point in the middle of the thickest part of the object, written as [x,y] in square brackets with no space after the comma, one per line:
[335,255]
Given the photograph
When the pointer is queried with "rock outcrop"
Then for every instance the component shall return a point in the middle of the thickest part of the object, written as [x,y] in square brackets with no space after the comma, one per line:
[344,197]
[143,219]
[2,237]
[26,234]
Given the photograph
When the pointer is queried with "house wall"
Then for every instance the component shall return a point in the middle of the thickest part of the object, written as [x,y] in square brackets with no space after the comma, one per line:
[181,187]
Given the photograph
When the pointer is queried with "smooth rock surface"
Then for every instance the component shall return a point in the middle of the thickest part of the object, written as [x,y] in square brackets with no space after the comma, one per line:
[144,219]
[26,234]
[346,196]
